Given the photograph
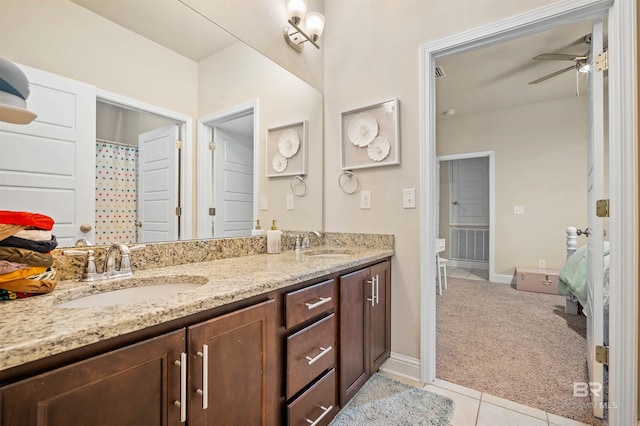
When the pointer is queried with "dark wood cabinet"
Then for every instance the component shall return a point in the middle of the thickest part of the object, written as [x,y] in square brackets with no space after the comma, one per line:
[135,385]
[233,368]
[365,326]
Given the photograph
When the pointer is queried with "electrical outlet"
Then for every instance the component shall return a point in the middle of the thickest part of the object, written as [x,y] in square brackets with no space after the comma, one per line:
[365,199]
[542,264]
[290,202]
[264,205]
[409,198]
[518,209]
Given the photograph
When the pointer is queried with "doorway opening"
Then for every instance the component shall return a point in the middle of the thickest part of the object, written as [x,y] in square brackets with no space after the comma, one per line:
[227,173]
[140,162]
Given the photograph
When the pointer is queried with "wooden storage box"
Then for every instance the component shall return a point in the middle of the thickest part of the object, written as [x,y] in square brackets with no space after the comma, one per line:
[537,280]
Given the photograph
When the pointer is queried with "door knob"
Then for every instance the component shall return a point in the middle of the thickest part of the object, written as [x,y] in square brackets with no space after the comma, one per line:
[455,203]
[85,227]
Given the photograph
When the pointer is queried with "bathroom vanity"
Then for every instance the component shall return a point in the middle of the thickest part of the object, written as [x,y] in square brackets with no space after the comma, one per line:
[265,339]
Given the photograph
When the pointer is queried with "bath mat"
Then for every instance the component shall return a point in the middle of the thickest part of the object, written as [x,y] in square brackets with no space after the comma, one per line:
[385,402]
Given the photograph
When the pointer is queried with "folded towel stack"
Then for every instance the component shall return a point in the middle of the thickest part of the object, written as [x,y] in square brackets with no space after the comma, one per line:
[26,242]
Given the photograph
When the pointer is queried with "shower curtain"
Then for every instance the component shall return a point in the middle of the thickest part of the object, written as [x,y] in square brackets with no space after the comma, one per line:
[116,193]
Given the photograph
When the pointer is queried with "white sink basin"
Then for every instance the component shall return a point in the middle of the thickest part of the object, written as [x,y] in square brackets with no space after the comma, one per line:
[329,252]
[133,295]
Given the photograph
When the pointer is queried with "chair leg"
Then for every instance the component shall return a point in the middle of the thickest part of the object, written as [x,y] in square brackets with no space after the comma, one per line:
[444,268]
[439,276]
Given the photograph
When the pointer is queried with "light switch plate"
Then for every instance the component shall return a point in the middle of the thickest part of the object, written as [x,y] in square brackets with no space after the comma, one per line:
[518,209]
[542,264]
[264,205]
[290,205]
[409,198]
[365,199]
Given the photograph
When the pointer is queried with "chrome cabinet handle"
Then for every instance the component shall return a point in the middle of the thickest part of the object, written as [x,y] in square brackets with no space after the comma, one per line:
[377,289]
[325,351]
[322,301]
[183,387]
[373,292]
[205,376]
[326,411]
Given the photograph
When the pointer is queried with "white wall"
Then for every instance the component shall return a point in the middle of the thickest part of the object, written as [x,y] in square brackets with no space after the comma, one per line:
[372,54]
[282,99]
[540,163]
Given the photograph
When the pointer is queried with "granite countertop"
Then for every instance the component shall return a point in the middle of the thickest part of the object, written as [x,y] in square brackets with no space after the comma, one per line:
[36,327]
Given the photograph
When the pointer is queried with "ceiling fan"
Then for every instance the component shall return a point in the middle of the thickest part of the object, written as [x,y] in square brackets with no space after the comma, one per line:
[579,61]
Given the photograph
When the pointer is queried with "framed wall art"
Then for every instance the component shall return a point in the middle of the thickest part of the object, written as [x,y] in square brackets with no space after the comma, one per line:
[286,150]
[370,137]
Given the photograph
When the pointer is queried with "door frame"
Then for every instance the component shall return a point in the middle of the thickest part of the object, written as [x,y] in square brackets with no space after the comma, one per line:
[204,175]
[186,158]
[623,162]
[492,201]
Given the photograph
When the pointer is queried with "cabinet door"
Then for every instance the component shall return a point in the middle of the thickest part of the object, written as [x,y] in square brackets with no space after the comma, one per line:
[380,316]
[232,368]
[354,322]
[135,385]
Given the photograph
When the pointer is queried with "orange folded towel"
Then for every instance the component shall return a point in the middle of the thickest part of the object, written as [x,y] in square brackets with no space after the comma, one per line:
[21,273]
[30,286]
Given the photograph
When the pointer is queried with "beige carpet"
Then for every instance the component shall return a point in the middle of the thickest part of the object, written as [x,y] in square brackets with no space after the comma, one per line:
[516,345]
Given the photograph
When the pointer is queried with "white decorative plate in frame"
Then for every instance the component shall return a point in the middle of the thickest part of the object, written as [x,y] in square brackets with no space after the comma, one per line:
[370,136]
[286,150]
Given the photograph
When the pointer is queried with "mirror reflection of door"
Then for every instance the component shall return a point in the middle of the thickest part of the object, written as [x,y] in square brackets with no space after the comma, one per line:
[136,185]
[232,188]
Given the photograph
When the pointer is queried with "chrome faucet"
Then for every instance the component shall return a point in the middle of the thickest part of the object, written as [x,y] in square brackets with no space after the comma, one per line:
[109,270]
[303,242]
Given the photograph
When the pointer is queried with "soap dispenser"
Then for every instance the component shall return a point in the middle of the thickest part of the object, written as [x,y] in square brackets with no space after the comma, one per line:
[258,231]
[274,239]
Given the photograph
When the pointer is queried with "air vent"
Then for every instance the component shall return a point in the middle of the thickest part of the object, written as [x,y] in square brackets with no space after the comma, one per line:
[440,72]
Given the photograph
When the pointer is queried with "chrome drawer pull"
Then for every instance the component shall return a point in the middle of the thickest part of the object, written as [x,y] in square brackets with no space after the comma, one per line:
[322,301]
[316,421]
[373,292]
[205,376]
[320,355]
[183,387]
[377,289]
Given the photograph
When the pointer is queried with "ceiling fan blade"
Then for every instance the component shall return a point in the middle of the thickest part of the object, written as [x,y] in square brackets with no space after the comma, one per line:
[553,74]
[558,57]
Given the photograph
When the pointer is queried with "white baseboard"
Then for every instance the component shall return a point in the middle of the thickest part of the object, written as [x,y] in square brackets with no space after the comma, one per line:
[403,366]
[502,279]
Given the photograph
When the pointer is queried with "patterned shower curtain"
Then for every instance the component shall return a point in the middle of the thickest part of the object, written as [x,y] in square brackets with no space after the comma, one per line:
[116,193]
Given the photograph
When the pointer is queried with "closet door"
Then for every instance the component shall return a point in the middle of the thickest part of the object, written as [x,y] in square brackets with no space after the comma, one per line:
[48,166]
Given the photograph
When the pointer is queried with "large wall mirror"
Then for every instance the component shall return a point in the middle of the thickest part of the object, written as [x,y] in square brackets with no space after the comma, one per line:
[153,73]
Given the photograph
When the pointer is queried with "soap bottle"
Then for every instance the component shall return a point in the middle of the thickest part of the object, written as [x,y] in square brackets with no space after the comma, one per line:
[274,239]
[258,229]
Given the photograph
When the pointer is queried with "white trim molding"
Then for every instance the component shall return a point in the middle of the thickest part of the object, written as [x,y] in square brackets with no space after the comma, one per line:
[623,178]
[402,366]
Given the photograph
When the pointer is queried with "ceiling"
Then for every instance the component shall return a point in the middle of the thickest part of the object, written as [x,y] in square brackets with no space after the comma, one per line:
[497,76]
[489,78]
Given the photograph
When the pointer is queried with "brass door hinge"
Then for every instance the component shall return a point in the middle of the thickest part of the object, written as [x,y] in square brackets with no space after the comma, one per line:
[178,144]
[602,61]
[212,211]
[602,354]
[178,211]
[602,208]
[212,146]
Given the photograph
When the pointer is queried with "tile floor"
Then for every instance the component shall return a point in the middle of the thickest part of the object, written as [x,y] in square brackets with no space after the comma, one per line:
[475,408]
[468,274]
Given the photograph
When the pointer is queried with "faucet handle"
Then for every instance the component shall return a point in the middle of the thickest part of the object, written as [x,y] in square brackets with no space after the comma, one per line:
[90,272]
[125,259]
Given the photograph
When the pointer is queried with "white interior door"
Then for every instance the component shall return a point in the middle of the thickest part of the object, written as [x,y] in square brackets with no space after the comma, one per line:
[470,191]
[48,166]
[595,182]
[232,184]
[158,185]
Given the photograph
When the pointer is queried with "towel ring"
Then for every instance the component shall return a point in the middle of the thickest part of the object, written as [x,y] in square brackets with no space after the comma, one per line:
[350,175]
[297,181]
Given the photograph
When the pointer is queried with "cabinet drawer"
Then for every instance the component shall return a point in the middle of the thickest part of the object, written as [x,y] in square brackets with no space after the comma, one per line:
[307,303]
[540,281]
[310,352]
[317,404]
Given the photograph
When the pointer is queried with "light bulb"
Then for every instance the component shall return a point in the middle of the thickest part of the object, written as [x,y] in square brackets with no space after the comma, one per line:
[314,25]
[297,9]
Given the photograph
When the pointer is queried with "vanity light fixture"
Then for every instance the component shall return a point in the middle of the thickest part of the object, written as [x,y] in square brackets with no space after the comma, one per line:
[295,36]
